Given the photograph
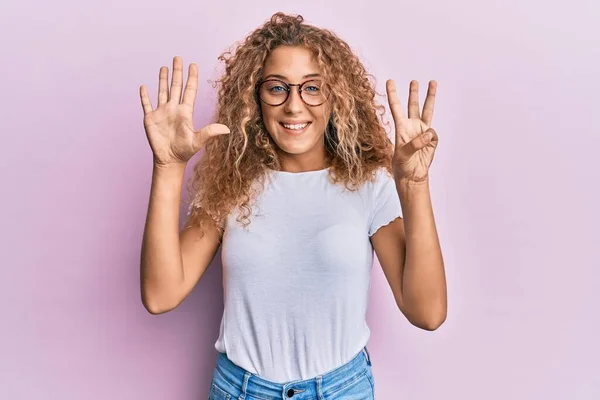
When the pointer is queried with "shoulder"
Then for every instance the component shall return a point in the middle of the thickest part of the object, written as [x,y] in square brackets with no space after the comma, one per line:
[382,177]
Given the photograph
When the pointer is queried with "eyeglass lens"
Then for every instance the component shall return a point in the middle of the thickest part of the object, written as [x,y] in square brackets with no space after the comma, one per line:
[275,92]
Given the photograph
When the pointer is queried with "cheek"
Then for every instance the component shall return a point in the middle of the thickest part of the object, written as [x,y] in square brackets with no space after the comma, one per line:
[322,117]
[269,116]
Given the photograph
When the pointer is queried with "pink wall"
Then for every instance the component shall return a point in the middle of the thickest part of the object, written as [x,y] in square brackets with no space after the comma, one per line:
[515,188]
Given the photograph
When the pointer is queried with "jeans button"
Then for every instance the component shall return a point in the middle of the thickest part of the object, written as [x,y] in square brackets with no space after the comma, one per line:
[290,392]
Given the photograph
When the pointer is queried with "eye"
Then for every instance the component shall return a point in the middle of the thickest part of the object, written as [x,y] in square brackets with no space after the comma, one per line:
[277,89]
[312,88]
[274,87]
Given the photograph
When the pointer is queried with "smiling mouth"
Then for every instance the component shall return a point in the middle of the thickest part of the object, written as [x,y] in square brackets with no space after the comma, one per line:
[295,127]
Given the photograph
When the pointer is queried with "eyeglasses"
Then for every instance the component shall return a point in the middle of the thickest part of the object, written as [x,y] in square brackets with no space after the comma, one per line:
[275,92]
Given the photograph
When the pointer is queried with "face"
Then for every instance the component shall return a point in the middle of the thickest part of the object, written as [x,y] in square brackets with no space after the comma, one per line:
[298,129]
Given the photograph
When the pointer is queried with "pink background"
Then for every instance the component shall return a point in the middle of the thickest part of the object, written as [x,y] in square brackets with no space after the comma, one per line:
[515,187]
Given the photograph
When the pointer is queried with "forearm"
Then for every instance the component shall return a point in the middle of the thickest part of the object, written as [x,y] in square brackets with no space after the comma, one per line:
[423,279]
[161,266]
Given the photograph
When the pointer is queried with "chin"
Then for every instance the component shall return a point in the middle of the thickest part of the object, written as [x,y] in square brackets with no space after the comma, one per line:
[296,145]
[299,148]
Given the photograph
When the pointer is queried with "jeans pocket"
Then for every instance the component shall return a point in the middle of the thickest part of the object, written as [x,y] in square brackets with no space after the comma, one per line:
[216,393]
[360,388]
[371,380]
[365,352]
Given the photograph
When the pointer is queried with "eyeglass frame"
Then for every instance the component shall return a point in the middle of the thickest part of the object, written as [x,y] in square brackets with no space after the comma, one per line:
[288,91]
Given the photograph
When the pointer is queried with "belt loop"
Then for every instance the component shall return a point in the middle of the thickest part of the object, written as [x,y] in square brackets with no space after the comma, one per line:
[320,388]
[245,385]
[366,351]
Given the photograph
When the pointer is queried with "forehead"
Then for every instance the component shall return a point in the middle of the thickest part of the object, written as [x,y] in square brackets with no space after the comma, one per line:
[291,62]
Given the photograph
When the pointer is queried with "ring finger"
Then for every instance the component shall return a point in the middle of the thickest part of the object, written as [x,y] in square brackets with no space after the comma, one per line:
[163,92]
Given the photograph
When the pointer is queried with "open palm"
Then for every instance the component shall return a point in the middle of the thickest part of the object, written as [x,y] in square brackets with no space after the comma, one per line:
[414,151]
[170,127]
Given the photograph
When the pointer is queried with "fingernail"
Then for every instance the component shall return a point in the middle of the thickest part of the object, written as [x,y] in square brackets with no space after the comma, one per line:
[427,136]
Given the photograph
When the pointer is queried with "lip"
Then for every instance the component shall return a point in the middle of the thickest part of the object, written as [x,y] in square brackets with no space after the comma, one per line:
[295,132]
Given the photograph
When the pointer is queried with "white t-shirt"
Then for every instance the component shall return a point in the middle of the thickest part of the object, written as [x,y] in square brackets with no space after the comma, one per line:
[296,280]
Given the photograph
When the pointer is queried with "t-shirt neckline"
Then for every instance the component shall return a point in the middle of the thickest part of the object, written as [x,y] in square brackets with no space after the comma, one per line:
[286,173]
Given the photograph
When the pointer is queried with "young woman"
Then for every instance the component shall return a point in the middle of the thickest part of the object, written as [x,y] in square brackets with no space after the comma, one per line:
[299,183]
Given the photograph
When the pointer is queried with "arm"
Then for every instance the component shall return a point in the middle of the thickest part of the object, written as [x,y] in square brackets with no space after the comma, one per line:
[171,262]
[410,249]
[411,258]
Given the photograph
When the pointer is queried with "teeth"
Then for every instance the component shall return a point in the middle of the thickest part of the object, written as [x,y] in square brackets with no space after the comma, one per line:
[296,127]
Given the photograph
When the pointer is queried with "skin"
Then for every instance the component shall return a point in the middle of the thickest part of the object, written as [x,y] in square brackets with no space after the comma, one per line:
[408,249]
[305,152]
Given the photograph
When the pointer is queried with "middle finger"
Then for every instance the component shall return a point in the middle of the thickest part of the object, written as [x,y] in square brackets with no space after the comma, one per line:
[176,81]
[413,100]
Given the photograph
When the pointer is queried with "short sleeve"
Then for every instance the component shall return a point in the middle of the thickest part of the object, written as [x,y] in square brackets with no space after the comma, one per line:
[385,205]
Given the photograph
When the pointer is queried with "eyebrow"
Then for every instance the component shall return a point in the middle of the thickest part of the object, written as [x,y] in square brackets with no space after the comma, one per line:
[285,78]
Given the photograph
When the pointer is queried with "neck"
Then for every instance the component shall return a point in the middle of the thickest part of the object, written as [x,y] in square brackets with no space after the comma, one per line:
[296,163]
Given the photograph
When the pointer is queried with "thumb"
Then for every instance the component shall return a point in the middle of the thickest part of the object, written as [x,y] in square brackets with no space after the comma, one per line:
[422,140]
[214,130]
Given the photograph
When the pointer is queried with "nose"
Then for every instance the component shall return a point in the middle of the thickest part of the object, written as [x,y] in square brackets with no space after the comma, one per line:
[294,102]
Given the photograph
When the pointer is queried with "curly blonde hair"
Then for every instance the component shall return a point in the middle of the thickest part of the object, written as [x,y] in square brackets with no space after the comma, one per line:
[357,143]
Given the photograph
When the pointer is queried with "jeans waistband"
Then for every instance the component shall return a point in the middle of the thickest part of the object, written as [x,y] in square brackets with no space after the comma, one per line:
[252,385]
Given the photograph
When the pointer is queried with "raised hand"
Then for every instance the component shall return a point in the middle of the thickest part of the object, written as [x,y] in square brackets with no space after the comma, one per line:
[416,141]
[169,127]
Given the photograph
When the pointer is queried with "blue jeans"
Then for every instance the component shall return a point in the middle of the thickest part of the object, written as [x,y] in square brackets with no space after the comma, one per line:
[353,380]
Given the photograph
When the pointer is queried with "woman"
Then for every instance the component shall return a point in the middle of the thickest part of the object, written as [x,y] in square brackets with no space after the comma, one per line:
[299,184]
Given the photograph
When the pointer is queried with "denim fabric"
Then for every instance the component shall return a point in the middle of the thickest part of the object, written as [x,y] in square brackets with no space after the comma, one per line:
[351,381]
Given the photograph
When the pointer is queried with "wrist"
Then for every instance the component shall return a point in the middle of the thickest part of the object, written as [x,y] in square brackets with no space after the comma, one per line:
[172,166]
[409,183]
[169,172]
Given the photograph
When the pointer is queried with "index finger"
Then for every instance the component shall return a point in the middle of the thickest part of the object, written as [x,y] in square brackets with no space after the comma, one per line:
[396,109]
[191,87]
[394,100]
